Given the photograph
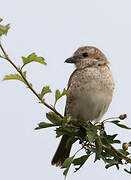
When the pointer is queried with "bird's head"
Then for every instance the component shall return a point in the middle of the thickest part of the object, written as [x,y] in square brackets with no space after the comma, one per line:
[88,56]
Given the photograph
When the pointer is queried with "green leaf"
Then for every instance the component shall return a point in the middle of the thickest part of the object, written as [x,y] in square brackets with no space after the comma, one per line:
[120,125]
[33,58]
[80,161]
[127,171]
[108,139]
[42,125]
[4,29]
[113,162]
[67,164]
[59,132]
[54,118]
[109,152]
[123,126]
[45,90]
[15,77]
[124,152]
[91,132]
[98,148]
[58,95]
[64,130]
[115,121]
[116,141]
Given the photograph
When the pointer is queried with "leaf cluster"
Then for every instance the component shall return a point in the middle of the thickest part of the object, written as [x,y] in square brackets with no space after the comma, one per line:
[93,139]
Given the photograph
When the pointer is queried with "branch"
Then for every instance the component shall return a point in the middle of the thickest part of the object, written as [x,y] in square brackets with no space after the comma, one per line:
[128,160]
[28,84]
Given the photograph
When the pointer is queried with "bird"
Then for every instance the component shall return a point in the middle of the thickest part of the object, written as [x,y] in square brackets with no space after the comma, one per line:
[90,91]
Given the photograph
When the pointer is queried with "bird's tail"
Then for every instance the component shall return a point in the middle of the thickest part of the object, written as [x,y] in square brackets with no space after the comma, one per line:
[62,152]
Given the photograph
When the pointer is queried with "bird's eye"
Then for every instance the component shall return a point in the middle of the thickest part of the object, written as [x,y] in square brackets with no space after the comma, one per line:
[85,54]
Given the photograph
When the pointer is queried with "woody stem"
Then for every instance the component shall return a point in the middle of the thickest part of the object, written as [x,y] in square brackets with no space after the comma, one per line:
[27,83]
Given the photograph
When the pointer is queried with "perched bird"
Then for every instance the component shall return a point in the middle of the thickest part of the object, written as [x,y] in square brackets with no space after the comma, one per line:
[90,90]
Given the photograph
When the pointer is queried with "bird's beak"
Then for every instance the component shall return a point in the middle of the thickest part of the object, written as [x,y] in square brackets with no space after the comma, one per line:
[73,59]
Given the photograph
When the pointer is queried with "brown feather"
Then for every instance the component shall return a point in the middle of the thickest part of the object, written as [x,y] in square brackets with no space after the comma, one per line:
[62,152]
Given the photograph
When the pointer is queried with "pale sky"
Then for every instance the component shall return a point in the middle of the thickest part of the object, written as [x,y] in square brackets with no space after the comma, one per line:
[54,30]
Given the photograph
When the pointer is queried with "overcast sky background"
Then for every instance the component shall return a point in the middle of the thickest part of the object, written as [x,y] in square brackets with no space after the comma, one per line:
[54,30]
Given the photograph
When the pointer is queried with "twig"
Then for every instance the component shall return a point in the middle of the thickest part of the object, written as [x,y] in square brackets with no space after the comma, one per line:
[28,84]
[107,120]
[128,160]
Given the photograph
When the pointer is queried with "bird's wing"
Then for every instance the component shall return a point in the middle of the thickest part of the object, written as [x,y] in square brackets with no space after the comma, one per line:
[74,72]
[69,83]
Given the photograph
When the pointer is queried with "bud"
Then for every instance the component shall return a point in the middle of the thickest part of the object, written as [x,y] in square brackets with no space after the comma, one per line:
[125,146]
[123,116]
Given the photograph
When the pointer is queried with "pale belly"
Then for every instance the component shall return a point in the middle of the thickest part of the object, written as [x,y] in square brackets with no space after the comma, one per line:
[89,105]
[90,93]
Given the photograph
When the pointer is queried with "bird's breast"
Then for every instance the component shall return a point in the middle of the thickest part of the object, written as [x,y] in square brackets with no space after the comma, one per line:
[90,93]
